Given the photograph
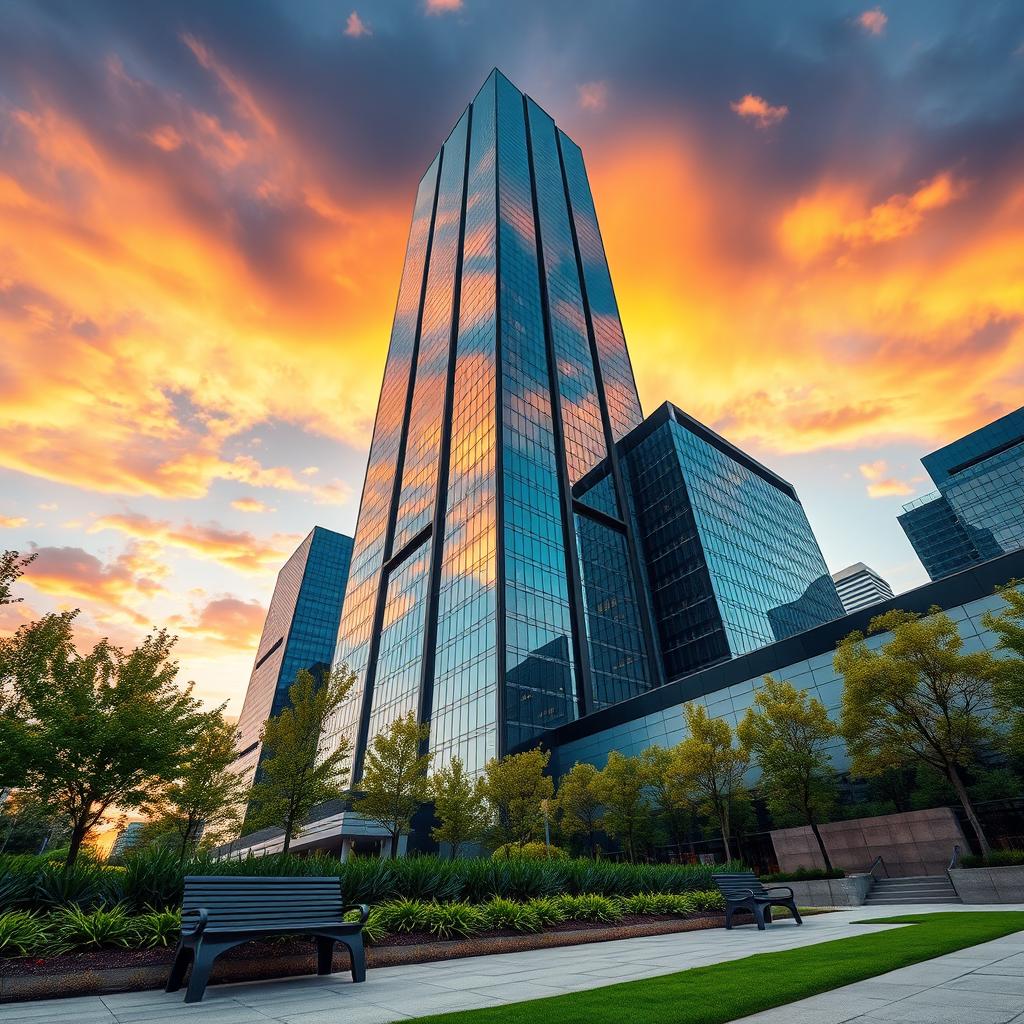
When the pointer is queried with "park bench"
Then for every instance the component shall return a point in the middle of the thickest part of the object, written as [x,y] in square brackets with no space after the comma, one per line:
[744,891]
[219,912]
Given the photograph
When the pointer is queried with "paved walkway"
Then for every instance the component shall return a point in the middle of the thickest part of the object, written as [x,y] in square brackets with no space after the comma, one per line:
[399,993]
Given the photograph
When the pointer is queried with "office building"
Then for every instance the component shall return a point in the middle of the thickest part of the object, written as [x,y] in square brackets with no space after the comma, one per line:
[514,569]
[977,511]
[860,586]
[299,633]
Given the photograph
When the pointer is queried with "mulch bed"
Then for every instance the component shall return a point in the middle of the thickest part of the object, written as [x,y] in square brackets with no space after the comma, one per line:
[132,970]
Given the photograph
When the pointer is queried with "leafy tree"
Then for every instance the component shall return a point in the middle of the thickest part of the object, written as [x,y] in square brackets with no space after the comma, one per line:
[395,783]
[789,734]
[459,806]
[293,779]
[1008,625]
[670,800]
[621,786]
[28,826]
[105,728]
[917,696]
[711,767]
[12,723]
[206,798]
[514,788]
[578,804]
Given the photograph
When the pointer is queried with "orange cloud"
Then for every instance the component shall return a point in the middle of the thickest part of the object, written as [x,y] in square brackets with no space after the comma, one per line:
[593,95]
[835,215]
[759,109]
[443,6]
[873,21]
[73,576]
[226,621]
[12,522]
[880,485]
[250,505]
[234,549]
[356,27]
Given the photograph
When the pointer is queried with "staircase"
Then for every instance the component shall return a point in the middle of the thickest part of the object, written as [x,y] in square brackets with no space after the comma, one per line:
[916,889]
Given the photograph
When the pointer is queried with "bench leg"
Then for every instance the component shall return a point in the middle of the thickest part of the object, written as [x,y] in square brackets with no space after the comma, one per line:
[182,956]
[202,965]
[796,913]
[324,955]
[759,916]
[357,956]
[729,911]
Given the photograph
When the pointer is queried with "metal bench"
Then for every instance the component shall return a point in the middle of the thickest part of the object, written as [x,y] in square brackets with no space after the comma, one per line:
[744,891]
[222,911]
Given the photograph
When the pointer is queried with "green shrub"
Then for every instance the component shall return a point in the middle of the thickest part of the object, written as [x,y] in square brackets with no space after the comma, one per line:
[17,883]
[677,904]
[404,916]
[529,851]
[996,859]
[804,875]
[23,934]
[548,909]
[590,907]
[155,877]
[373,930]
[426,878]
[502,914]
[710,901]
[455,920]
[80,930]
[84,885]
[156,928]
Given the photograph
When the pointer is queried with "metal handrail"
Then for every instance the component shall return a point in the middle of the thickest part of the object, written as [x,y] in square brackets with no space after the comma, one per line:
[955,859]
[878,860]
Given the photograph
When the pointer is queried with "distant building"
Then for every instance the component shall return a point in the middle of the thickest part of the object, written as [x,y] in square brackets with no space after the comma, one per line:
[299,633]
[859,586]
[127,837]
[977,513]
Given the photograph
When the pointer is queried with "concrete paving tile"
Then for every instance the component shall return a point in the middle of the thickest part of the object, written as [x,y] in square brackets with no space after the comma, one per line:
[358,1015]
[51,1007]
[944,996]
[989,983]
[517,993]
[913,1012]
[101,1016]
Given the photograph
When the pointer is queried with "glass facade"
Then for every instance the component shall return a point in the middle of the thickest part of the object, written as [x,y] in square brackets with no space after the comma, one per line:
[732,560]
[978,511]
[493,590]
[299,633]
[500,578]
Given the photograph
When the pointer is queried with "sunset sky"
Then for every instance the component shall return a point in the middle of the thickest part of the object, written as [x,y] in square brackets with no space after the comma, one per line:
[813,212]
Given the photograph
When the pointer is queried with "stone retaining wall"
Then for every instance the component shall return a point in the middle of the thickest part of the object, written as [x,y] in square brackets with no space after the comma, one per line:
[830,892]
[989,885]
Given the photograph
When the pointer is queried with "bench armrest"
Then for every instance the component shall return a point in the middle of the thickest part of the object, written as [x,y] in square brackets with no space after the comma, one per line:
[777,888]
[738,894]
[364,911]
[202,918]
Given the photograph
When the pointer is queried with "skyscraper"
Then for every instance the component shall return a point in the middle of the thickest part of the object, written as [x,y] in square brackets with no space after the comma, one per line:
[504,579]
[977,512]
[860,586]
[489,593]
[299,633]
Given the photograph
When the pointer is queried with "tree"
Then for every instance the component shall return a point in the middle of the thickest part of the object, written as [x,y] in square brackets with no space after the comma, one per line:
[578,805]
[12,723]
[459,806]
[789,734]
[27,826]
[1008,625]
[917,696]
[395,783]
[103,729]
[292,778]
[711,767]
[621,786]
[207,797]
[514,788]
[670,800]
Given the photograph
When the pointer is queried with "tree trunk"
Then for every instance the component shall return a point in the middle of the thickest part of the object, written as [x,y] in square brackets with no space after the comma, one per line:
[961,791]
[287,837]
[394,846]
[77,836]
[724,822]
[821,842]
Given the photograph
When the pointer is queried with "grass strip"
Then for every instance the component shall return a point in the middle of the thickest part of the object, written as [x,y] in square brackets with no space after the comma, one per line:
[727,991]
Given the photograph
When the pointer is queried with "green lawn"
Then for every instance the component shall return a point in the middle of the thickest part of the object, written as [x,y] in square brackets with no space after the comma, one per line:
[727,991]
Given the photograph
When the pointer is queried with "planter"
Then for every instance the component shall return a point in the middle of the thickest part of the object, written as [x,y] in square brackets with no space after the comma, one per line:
[989,885]
[830,892]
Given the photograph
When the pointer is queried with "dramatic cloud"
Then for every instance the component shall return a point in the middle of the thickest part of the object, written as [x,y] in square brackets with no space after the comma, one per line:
[226,621]
[593,95]
[443,6]
[356,27]
[12,522]
[759,109]
[873,21]
[250,505]
[234,549]
[881,485]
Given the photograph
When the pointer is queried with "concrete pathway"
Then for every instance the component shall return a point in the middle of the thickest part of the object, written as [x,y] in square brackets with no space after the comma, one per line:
[980,985]
[399,993]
